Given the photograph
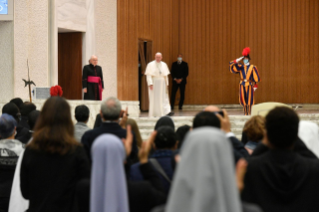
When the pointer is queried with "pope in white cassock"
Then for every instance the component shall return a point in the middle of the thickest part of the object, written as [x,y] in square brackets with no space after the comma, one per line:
[157,80]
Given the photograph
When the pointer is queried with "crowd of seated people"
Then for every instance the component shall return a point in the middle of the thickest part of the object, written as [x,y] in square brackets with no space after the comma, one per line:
[49,163]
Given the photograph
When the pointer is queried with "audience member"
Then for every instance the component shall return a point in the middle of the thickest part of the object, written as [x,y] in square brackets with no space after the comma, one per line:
[108,157]
[110,113]
[25,110]
[82,114]
[17,202]
[165,121]
[98,119]
[165,143]
[136,131]
[205,118]
[10,149]
[108,182]
[254,129]
[18,102]
[280,179]
[205,177]
[181,133]
[309,133]
[32,119]
[213,119]
[53,161]
[22,132]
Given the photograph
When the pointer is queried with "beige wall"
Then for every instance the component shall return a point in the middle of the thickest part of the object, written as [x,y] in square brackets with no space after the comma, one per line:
[6,59]
[33,36]
[31,41]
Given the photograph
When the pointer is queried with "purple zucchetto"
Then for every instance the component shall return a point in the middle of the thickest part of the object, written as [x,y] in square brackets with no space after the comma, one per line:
[7,125]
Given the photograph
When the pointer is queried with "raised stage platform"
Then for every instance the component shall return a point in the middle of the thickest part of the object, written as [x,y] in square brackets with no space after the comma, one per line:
[146,125]
[307,112]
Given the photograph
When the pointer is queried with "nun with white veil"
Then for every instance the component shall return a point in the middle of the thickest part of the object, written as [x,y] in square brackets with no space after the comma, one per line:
[108,181]
[157,80]
[205,176]
[309,133]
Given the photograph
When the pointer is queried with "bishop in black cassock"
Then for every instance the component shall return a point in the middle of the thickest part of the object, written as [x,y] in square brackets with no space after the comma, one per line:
[92,80]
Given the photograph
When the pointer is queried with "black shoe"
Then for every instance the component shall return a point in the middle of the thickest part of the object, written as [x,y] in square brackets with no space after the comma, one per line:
[180,109]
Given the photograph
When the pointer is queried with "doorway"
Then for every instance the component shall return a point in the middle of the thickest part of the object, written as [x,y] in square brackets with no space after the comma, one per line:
[144,57]
[70,64]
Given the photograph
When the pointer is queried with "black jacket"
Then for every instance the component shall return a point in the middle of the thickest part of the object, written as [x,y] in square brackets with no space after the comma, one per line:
[238,149]
[282,181]
[180,72]
[107,127]
[147,194]
[143,196]
[49,180]
[23,134]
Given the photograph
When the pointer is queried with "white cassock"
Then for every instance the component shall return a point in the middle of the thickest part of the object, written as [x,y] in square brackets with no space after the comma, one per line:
[157,75]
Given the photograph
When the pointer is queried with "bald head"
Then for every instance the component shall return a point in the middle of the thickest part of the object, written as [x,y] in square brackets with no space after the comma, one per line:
[93,60]
[211,108]
[158,57]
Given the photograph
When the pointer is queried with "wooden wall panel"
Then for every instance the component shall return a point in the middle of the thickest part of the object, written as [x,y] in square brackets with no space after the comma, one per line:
[144,19]
[283,37]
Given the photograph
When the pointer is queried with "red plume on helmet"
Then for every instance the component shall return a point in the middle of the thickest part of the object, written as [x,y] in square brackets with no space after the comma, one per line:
[246,51]
[56,91]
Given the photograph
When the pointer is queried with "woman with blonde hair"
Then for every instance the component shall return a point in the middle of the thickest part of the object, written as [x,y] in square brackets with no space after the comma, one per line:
[254,129]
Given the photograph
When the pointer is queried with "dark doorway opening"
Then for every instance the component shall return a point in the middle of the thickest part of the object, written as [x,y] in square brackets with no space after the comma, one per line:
[144,57]
[70,64]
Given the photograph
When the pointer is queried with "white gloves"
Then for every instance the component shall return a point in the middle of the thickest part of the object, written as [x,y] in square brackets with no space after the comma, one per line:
[239,59]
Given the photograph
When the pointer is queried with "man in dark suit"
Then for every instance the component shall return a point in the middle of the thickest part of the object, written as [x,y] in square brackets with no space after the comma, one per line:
[92,80]
[179,74]
[110,113]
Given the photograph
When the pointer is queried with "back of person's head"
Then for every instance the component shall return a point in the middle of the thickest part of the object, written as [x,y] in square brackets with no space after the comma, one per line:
[165,138]
[13,110]
[255,128]
[111,109]
[18,102]
[282,127]
[27,108]
[181,132]
[206,119]
[32,118]
[54,130]
[164,121]
[7,126]
[82,113]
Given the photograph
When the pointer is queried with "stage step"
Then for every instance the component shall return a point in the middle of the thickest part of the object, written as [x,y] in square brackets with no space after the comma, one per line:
[146,125]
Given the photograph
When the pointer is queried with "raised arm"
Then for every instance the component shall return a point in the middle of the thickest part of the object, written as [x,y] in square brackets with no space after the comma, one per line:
[234,67]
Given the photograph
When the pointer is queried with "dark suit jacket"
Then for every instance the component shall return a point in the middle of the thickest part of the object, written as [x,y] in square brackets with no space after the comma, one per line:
[112,128]
[179,72]
[238,148]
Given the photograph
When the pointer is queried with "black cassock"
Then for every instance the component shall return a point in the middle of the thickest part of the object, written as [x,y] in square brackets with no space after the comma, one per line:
[92,88]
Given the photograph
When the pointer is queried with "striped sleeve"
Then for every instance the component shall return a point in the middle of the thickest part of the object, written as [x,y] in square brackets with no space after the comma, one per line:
[256,74]
[234,67]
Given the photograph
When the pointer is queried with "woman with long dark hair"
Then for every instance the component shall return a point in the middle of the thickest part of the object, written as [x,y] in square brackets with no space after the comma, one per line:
[53,161]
